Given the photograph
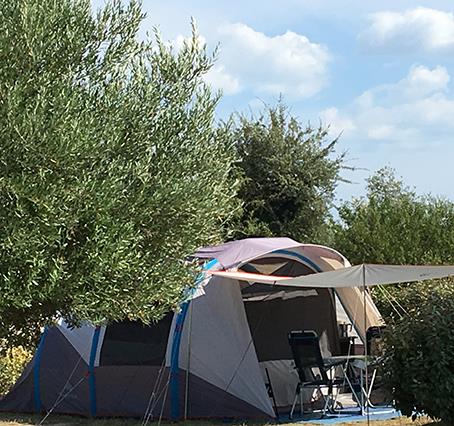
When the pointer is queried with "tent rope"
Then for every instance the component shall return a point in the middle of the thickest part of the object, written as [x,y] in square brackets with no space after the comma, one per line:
[57,400]
[156,401]
[62,399]
[391,303]
[164,401]
[150,406]
[391,298]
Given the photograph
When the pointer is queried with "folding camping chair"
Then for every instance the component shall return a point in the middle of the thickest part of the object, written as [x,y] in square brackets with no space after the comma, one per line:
[362,375]
[306,352]
[269,389]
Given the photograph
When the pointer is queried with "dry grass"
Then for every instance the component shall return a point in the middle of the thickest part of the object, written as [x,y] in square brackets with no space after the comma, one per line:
[402,421]
[28,420]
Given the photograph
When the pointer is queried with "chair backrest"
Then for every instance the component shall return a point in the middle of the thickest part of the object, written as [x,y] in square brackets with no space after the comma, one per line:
[306,352]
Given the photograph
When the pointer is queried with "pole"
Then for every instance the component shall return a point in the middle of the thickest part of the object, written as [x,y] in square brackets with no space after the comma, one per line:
[366,405]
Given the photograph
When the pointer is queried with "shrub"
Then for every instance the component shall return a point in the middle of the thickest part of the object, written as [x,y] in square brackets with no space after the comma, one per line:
[419,364]
[12,362]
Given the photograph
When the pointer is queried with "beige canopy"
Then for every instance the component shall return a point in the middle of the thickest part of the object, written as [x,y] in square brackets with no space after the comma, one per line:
[363,275]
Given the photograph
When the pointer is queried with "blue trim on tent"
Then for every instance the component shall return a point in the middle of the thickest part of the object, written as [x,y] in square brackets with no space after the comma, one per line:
[176,342]
[91,371]
[36,372]
[300,257]
[174,361]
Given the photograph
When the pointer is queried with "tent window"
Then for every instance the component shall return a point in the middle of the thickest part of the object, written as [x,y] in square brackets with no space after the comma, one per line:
[133,343]
[277,266]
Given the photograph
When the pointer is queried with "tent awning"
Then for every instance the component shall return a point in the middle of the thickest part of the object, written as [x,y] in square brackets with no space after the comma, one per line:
[354,276]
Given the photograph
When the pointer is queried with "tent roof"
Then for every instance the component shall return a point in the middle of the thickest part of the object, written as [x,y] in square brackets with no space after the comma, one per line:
[354,276]
[235,252]
[232,254]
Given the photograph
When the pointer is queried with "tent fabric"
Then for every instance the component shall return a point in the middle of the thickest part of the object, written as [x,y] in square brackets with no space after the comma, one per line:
[252,278]
[353,276]
[368,275]
[235,252]
[284,378]
[63,370]
[352,300]
[216,345]
[80,338]
[20,398]
[126,390]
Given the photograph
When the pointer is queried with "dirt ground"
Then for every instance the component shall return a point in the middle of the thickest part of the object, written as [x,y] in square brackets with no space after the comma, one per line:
[28,420]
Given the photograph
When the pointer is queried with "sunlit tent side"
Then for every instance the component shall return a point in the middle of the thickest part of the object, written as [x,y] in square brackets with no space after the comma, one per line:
[208,359]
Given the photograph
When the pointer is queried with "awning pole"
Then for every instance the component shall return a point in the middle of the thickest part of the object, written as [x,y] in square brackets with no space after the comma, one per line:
[366,406]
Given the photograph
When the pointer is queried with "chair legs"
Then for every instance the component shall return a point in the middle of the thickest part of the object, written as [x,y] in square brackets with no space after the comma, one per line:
[299,395]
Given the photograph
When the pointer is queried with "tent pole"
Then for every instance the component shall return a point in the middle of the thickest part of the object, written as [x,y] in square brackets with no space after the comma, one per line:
[366,372]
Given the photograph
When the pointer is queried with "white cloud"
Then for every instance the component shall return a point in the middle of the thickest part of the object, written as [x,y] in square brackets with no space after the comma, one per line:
[413,30]
[288,64]
[420,82]
[337,123]
[219,79]
[414,112]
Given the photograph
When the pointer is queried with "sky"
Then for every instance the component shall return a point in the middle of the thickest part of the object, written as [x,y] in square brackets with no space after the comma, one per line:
[378,72]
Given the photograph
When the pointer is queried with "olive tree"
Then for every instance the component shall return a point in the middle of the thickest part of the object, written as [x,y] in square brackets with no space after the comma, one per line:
[111,170]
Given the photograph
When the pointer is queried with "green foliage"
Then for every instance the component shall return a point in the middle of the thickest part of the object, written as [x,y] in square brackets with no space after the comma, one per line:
[394,225]
[111,168]
[12,363]
[420,345]
[289,173]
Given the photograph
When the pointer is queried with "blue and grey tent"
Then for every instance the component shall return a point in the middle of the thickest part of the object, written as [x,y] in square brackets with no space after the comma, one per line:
[207,360]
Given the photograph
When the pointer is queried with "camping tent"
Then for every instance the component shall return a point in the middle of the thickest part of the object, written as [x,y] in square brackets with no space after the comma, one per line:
[208,359]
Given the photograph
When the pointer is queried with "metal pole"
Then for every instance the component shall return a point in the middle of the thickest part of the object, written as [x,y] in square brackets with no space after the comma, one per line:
[366,405]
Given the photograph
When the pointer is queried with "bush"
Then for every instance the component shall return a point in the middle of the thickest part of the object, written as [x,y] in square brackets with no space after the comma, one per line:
[12,362]
[419,362]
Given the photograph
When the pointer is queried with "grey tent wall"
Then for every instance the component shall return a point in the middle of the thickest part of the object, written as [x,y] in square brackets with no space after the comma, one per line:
[217,347]
[60,371]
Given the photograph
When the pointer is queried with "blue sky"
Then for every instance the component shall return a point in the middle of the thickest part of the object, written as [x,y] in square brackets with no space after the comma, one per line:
[379,72]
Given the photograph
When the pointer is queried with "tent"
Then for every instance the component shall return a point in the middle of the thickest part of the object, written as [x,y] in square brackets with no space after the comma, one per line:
[209,359]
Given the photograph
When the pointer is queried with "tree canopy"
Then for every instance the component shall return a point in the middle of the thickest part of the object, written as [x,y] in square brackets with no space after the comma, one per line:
[111,167]
[290,172]
[392,224]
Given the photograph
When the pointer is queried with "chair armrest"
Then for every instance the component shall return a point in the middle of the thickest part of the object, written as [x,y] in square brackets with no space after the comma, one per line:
[334,363]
